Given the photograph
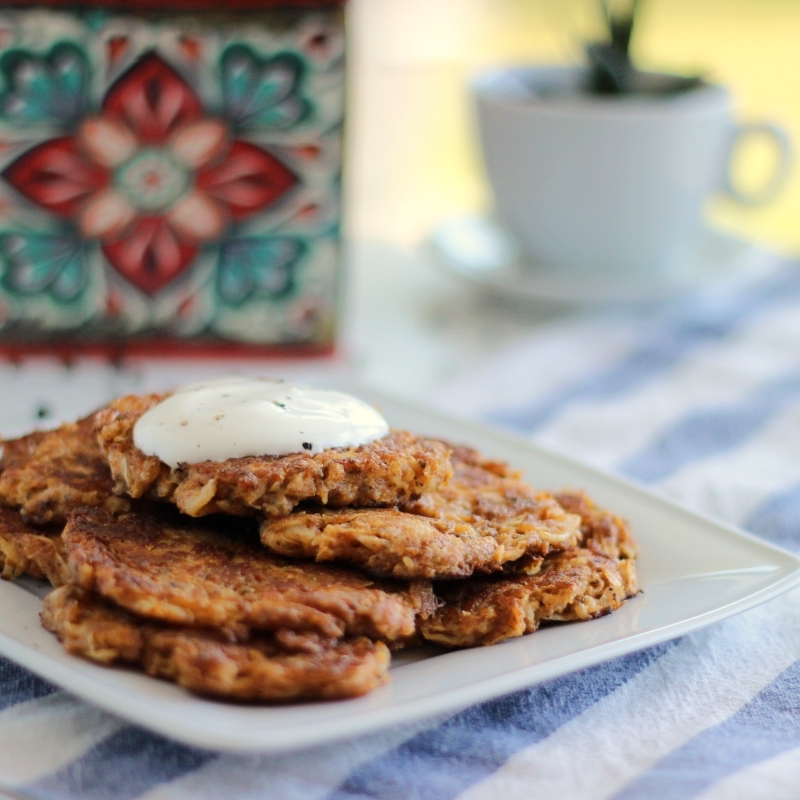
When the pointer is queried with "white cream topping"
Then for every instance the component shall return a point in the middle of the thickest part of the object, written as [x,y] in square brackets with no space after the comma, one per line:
[236,417]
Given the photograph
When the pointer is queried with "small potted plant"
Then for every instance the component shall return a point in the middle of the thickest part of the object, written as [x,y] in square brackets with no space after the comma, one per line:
[602,169]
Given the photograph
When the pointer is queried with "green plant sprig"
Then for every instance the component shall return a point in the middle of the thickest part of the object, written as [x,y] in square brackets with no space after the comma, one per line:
[611,69]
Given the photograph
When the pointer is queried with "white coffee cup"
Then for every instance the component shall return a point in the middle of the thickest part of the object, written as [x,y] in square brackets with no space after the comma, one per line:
[609,187]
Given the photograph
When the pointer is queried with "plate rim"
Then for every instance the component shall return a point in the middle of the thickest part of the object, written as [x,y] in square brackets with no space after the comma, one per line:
[79,677]
[542,288]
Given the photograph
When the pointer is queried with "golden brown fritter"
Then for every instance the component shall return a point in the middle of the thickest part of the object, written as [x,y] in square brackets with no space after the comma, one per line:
[47,557]
[574,585]
[260,670]
[90,627]
[601,531]
[482,519]
[178,570]
[27,549]
[12,559]
[395,468]
[592,579]
[278,667]
[47,474]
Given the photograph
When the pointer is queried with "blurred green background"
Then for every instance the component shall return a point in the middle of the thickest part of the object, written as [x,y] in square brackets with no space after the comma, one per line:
[412,155]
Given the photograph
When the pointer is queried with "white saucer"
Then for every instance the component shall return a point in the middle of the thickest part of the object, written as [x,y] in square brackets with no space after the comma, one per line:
[477,249]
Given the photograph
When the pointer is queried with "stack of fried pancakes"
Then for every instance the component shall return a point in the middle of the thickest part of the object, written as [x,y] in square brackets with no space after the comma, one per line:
[292,577]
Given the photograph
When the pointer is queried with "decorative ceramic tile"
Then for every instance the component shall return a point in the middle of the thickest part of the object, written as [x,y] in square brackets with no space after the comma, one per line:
[175,175]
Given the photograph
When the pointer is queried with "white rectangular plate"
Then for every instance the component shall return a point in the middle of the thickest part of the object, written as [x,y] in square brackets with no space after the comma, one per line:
[694,572]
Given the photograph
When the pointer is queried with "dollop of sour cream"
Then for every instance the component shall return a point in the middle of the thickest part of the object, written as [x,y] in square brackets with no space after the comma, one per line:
[236,417]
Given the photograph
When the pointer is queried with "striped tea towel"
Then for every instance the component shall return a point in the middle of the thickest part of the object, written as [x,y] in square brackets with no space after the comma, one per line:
[700,401]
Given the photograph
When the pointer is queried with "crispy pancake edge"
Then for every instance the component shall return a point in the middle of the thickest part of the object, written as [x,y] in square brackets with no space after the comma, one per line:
[48,474]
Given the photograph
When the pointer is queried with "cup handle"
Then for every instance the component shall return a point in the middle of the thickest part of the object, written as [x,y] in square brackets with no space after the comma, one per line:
[778,179]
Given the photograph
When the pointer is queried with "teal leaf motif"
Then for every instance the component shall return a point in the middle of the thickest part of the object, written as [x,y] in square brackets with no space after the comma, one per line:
[257,267]
[50,88]
[32,264]
[262,92]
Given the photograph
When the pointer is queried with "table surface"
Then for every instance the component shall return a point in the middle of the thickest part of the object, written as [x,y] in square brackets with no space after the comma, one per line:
[699,400]
[406,329]
[412,331]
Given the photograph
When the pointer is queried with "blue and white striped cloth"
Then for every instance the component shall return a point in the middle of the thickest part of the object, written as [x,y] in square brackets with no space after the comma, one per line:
[700,401]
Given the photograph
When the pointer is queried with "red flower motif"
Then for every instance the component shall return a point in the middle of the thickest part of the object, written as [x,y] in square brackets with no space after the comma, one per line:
[151,177]
[152,100]
[58,176]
